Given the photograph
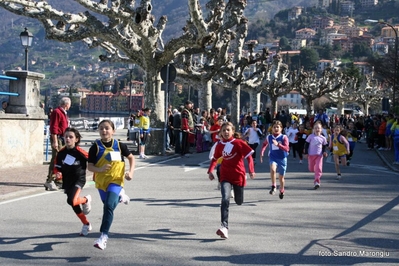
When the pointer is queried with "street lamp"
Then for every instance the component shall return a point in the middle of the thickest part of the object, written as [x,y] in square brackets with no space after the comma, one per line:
[131,67]
[396,57]
[26,40]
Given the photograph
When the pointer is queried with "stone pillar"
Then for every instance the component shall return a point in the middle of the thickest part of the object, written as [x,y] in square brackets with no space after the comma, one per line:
[28,87]
[22,127]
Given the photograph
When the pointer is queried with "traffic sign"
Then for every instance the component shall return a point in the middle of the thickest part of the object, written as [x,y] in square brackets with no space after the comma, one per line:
[168,69]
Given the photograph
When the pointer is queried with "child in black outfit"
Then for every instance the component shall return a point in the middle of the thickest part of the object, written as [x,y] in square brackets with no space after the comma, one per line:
[301,136]
[70,165]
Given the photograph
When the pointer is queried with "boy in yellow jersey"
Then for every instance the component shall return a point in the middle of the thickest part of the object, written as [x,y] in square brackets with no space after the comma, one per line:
[144,127]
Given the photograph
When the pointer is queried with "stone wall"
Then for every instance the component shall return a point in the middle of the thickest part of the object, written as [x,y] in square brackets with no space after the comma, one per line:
[22,126]
[21,141]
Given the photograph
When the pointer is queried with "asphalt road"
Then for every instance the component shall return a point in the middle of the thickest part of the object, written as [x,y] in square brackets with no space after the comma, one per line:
[174,213]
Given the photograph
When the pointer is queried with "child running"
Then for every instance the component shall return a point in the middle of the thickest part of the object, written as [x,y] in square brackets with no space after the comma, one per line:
[107,163]
[301,136]
[351,137]
[315,149]
[340,148]
[253,134]
[70,165]
[232,171]
[279,147]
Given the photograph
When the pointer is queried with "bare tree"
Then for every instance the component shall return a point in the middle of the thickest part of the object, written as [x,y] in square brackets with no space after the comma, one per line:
[130,35]
[344,91]
[370,93]
[312,87]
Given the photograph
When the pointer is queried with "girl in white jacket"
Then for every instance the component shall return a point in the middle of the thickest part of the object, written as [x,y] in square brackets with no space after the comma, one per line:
[291,133]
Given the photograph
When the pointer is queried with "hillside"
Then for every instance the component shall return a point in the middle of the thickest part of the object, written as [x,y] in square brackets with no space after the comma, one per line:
[55,59]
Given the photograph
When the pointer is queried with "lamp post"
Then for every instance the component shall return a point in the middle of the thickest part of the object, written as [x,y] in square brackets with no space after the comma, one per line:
[395,58]
[131,67]
[26,41]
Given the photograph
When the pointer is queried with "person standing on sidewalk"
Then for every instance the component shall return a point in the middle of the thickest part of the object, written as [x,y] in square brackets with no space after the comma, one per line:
[388,133]
[58,124]
[106,161]
[4,105]
[315,149]
[177,129]
[145,129]
[187,128]
[70,165]
[395,136]
[232,171]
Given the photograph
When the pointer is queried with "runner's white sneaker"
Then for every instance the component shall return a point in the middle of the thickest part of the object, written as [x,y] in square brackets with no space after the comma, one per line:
[87,206]
[123,198]
[86,228]
[223,232]
[50,186]
[101,243]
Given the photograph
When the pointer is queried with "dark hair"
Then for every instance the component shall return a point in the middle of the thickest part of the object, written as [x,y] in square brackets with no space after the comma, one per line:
[76,132]
[107,121]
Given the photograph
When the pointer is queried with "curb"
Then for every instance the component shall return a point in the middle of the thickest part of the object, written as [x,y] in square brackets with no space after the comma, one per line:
[385,160]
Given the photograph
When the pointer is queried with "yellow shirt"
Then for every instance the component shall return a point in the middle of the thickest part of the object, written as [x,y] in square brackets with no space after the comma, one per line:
[116,174]
[144,122]
[338,147]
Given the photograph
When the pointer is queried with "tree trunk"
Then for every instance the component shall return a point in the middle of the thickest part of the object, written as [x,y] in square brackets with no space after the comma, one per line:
[235,105]
[340,108]
[273,101]
[366,108]
[254,101]
[309,105]
[205,96]
[154,99]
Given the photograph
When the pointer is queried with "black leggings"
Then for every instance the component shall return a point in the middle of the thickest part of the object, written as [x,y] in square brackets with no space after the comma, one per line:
[73,193]
[294,147]
[254,146]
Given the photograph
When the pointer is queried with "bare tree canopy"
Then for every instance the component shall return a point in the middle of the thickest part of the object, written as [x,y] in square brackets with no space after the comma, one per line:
[129,33]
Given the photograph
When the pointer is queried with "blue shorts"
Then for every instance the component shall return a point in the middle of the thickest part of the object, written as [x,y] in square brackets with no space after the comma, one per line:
[143,140]
[111,188]
[281,165]
[388,132]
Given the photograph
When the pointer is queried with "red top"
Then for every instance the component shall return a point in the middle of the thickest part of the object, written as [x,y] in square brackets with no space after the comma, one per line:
[58,121]
[215,127]
[382,127]
[232,168]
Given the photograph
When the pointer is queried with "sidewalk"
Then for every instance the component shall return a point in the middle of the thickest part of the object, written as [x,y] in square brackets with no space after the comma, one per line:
[388,157]
[22,181]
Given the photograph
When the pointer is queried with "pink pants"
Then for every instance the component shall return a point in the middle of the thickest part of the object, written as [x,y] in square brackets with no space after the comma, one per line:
[315,164]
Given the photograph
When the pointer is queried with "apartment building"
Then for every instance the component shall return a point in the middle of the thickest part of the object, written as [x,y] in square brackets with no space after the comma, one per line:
[305,33]
[322,22]
[368,3]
